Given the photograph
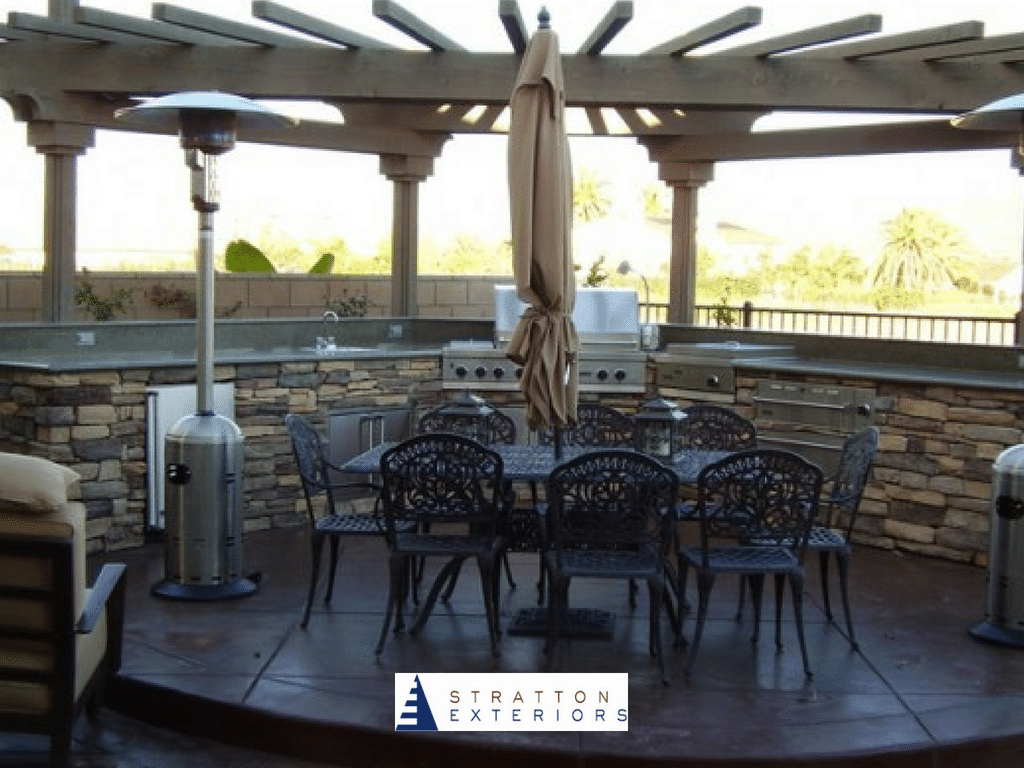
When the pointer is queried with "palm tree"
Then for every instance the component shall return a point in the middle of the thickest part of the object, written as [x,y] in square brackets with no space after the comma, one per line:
[590,198]
[920,252]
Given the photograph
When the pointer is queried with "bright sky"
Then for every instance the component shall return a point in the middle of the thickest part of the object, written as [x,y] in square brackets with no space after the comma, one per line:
[134,190]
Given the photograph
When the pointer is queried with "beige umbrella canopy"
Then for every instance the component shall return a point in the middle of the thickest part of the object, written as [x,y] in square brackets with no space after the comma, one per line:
[540,193]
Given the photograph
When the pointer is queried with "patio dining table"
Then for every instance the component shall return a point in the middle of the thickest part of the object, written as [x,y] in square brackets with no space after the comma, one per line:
[533,463]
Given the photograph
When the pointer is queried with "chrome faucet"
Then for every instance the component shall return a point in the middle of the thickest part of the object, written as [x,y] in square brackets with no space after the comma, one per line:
[327,342]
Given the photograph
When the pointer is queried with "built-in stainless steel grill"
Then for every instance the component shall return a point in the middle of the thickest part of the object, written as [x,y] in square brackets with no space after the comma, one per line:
[610,360]
[707,370]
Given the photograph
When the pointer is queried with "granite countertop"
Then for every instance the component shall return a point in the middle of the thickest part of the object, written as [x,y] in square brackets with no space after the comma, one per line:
[91,358]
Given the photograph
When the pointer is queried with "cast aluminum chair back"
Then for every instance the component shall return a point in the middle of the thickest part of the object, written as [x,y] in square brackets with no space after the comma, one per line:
[608,517]
[326,523]
[449,489]
[499,428]
[716,428]
[596,425]
[765,496]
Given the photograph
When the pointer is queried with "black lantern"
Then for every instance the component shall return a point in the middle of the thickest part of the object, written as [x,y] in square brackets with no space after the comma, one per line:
[468,415]
[658,429]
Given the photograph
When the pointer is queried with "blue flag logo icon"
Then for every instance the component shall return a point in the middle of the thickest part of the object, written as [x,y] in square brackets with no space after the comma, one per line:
[416,714]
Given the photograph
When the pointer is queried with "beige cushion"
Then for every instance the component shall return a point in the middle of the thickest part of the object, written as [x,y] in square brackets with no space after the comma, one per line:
[30,484]
[68,521]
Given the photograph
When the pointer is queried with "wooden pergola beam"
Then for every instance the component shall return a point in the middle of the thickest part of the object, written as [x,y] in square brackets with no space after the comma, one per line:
[383,77]
[44,25]
[918,136]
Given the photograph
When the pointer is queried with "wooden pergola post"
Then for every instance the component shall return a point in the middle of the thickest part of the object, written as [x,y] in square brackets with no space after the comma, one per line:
[61,144]
[406,172]
[685,179]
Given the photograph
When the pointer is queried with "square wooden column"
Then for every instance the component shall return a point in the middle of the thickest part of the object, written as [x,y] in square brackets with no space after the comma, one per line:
[406,172]
[61,144]
[685,179]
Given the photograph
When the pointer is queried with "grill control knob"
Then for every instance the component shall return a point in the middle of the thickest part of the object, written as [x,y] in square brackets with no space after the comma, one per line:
[714,381]
[864,409]
[519,373]
[480,371]
[620,375]
[499,372]
[461,371]
[602,374]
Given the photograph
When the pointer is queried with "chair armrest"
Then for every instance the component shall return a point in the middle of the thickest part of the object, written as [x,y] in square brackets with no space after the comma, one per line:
[111,576]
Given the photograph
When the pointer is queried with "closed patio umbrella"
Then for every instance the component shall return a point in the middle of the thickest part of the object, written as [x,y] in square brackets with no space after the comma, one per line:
[540,193]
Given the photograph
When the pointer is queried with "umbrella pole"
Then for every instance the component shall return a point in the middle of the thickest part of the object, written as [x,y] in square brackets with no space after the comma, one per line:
[558,443]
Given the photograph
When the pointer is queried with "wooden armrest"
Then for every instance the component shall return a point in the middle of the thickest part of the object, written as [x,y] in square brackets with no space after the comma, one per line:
[110,575]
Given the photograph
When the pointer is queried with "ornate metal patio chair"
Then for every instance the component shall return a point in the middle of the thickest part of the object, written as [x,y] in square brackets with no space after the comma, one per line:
[322,489]
[449,489]
[765,496]
[608,517]
[716,428]
[492,427]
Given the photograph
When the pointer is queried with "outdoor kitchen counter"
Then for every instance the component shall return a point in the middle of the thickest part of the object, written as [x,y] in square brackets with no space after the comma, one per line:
[888,372]
[91,359]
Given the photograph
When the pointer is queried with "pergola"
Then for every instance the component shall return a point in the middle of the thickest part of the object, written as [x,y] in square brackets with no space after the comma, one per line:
[65,73]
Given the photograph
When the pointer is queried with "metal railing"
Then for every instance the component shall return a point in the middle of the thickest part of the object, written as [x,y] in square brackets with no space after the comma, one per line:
[989,331]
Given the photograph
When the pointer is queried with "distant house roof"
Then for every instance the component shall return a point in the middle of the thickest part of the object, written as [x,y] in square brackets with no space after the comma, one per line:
[734,234]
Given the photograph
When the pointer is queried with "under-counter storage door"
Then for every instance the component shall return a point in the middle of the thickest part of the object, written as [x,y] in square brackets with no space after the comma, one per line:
[811,419]
[352,431]
[165,406]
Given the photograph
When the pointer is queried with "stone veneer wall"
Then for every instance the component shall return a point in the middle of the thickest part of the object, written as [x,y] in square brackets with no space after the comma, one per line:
[95,422]
[930,488]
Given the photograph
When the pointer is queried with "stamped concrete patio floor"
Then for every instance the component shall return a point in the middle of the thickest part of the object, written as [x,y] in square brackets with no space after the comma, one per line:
[919,691]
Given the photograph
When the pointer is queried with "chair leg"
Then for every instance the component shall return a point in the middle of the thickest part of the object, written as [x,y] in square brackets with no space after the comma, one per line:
[780,587]
[657,590]
[823,563]
[843,565]
[756,592]
[741,599]
[398,569]
[705,581]
[316,550]
[797,583]
[682,572]
[335,546]
[445,577]
[490,576]
[508,570]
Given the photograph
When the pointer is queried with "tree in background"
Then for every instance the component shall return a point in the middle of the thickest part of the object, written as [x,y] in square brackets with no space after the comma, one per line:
[921,252]
[590,198]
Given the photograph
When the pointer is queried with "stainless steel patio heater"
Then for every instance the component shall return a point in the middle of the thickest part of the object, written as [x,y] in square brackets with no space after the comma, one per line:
[1004,606]
[203,453]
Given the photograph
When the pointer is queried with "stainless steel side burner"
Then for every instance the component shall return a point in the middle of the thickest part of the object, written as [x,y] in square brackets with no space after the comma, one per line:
[709,367]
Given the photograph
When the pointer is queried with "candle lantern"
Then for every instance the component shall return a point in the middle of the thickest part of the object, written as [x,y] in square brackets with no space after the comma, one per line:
[468,415]
[658,429]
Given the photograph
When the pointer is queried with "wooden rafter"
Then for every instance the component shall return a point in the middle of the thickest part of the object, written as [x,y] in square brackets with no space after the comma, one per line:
[44,25]
[712,32]
[515,27]
[618,16]
[232,30]
[145,29]
[413,26]
[908,41]
[826,33]
[314,27]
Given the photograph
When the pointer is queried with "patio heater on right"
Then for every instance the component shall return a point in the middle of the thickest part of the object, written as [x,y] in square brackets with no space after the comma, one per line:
[1004,606]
